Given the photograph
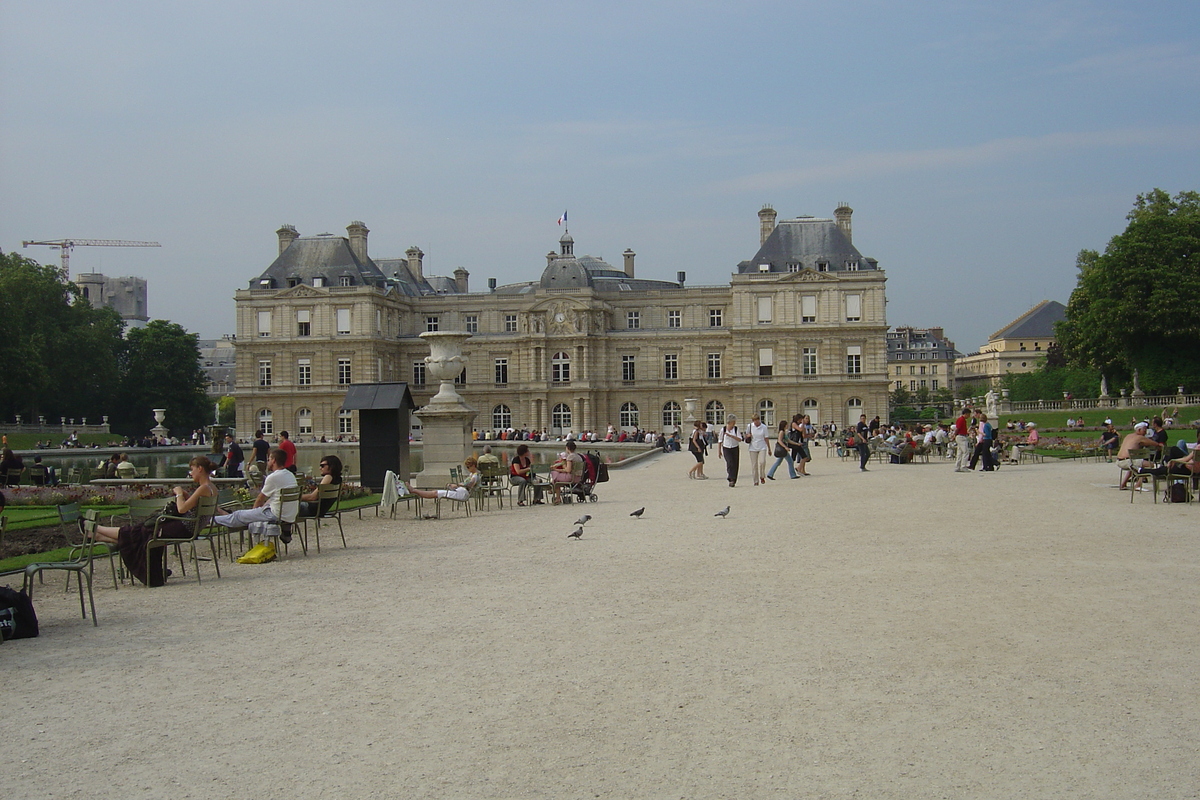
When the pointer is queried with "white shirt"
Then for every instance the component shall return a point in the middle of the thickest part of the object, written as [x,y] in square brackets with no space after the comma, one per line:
[730,438]
[275,483]
[758,437]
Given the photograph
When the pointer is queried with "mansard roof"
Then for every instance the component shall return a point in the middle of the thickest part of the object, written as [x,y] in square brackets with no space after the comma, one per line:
[1036,323]
[571,272]
[805,242]
[324,256]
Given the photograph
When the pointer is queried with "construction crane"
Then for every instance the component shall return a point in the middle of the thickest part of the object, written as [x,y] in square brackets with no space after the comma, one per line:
[66,245]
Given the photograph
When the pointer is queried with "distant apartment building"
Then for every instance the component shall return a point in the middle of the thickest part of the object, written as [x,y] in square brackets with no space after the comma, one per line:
[1018,347]
[800,327]
[126,296]
[217,360]
[920,358]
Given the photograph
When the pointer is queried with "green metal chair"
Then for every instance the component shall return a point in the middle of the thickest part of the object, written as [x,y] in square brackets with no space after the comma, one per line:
[80,563]
[206,509]
[329,495]
[491,484]
[69,515]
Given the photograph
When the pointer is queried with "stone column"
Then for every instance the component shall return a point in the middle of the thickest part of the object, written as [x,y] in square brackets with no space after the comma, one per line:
[446,420]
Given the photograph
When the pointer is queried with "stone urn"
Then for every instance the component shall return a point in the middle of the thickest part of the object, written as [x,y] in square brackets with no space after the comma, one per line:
[689,407]
[159,415]
[444,363]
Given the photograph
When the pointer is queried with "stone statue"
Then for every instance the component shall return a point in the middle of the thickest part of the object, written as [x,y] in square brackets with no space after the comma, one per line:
[989,400]
[1103,385]
[1136,388]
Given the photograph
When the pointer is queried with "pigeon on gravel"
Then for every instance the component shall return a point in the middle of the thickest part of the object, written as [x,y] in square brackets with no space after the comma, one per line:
[583,520]
[639,512]
[724,512]
[576,534]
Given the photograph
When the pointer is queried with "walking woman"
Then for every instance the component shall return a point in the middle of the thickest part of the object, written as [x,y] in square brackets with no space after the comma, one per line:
[729,445]
[758,435]
[783,452]
[697,446]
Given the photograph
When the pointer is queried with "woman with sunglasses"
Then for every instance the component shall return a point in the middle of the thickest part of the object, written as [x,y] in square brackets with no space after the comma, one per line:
[331,473]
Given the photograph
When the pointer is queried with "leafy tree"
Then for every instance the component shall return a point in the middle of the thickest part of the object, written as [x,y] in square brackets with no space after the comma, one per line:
[923,397]
[900,397]
[161,369]
[943,396]
[227,412]
[1134,306]
[1049,383]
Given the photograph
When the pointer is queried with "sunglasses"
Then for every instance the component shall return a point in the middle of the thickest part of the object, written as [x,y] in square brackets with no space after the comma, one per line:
[325,465]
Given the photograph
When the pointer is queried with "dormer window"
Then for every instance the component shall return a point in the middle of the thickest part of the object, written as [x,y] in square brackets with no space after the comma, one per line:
[822,266]
[318,281]
[764,267]
[347,280]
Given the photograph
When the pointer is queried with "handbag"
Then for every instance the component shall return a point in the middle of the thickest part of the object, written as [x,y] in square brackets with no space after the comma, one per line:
[780,452]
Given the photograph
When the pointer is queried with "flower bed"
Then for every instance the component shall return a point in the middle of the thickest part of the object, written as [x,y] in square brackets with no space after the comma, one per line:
[84,495]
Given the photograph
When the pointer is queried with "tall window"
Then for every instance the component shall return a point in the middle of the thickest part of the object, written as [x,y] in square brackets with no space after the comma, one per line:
[264,323]
[766,362]
[629,415]
[714,318]
[674,318]
[808,308]
[672,415]
[264,373]
[501,417]
[418,373]
[304,372]
[304,322]
[813,410]
[912,386]
[766,309]
[671,366]
[345,421]
[808,361]
[627,368]
[343,321]
[714,412]
[560,368]
[472,323]
[560,417]
[633,319]
[343,371]
[853,308]
[766,410]
[854,410]
[934,385]
[854,360]
[501,369]
[432,323]
[510,323]
[304,421]
[714,366]
[266,421]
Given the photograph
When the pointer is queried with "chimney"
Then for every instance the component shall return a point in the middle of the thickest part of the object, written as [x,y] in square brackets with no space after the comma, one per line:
[491,284]
[358,239]
[629,256]
[680,277]
[550,257]
[766,223]
[842,215]
[287,234]
[414,262]
[937,333]
[460,280]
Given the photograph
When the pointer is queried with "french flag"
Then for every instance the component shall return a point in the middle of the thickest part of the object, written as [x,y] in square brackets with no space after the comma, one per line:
[563,219]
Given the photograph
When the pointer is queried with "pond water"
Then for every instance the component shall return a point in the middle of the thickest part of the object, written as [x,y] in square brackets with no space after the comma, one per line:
[172,462]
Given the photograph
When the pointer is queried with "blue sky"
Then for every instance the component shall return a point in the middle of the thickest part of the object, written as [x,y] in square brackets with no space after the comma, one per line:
[982,145]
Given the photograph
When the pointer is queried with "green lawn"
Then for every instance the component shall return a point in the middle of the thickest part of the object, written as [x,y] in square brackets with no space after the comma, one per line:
[28,441]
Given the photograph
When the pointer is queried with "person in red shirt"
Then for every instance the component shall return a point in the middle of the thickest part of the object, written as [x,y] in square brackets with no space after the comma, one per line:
[285,444]
[962,445]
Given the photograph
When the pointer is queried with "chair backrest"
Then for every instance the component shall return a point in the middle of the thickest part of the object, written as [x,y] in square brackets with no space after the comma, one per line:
[140,509]
[68,513]
[37,475]
[329,496]
[290,494]
[14,476]
[206,509]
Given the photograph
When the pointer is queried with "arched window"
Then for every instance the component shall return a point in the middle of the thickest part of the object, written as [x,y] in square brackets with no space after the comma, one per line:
[714,412]
[560,418]
[345,421]
[671,415]
[304,422]
[501,417]
[560,368]
[766,410]
[854,409]
[813,409]
[629,415]
[266,422]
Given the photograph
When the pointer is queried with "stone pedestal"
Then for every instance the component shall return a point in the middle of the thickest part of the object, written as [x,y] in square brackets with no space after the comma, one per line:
[447,421]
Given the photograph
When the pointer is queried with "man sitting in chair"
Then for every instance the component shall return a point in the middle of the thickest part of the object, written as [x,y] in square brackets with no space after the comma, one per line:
[453,491]
[1134,441]
[269,509]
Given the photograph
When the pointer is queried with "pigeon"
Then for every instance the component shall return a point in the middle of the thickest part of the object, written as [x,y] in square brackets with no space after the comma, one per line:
[576,534]
[639,512]
[583,520]
[723,512]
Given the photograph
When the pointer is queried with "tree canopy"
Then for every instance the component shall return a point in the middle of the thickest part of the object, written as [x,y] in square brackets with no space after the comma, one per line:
[61,357]
[1135,306]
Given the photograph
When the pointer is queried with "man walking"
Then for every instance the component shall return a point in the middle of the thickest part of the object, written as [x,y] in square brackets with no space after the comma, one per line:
[233,457]
[862,431]
[285,444]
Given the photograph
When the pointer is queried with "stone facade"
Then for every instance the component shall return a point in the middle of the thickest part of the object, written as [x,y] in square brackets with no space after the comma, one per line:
[127,295]
[1018,347]
[800,327]
[920,359]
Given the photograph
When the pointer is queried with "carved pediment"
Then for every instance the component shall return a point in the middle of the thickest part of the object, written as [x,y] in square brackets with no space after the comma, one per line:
[303,290]
[805,275]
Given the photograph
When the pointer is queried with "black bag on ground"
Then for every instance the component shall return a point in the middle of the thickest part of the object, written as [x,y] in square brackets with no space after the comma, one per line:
[17,617]
[1176,492]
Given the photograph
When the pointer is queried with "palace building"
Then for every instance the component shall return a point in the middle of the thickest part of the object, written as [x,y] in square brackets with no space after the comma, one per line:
[800,327]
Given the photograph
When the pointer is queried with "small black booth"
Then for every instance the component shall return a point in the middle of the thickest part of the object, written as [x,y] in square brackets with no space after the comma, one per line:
[383,410]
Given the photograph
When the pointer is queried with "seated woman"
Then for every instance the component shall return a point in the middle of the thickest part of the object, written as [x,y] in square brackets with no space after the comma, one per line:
[453,491]
[563,472]
[520,474]
[331,473]
[10,461]
[132,540]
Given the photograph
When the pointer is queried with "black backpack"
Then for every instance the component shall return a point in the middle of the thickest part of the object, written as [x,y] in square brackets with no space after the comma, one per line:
[1176,492]
[17,617]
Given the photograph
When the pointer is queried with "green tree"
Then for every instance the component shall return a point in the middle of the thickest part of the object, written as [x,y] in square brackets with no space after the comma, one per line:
[60,355]
[900,397]
[161,369]
[227,412]
[1134,306]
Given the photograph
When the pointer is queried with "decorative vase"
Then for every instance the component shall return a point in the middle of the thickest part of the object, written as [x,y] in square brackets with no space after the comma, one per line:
[445,362]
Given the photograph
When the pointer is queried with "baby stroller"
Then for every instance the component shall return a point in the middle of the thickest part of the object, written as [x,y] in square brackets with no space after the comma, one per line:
[594,471]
